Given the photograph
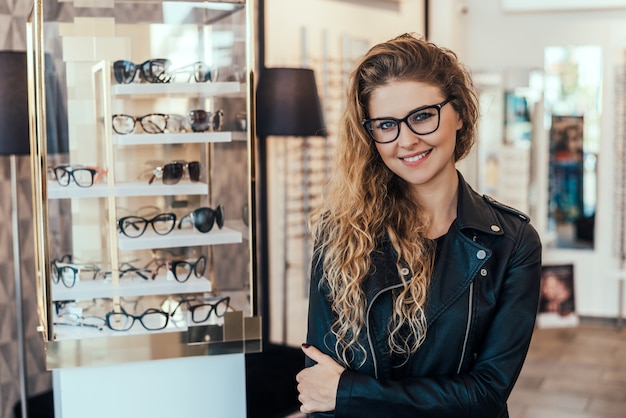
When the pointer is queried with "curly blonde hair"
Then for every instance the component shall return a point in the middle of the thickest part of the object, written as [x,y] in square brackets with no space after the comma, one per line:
[366,201]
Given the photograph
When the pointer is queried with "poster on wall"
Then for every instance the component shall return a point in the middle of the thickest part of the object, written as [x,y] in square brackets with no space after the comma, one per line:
[566,169]
[557,307]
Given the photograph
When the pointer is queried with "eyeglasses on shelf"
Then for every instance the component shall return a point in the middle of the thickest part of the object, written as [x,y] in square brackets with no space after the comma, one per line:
[151,319]
[198,71]
[181,270]
[204,218]
[135,226]
[172,173]
[203,309]
[83,176]
[152,123]
[202,120]
[150,71]
[68,273]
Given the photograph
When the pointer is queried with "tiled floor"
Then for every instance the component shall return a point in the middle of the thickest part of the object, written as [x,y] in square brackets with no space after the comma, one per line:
[572,373]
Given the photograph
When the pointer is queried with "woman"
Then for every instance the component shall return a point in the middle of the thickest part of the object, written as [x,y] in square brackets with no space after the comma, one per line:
[423,293]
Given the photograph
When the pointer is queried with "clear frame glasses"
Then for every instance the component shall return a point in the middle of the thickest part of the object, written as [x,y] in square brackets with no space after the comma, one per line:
[198,71]
[204,218]
[421,121]
[135,226]
[83,176]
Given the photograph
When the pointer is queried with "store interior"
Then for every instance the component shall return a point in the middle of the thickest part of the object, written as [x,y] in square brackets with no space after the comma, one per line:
[546,72]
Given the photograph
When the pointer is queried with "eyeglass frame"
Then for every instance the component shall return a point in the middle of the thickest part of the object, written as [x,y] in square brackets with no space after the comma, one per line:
[405,119]
[136,317]
[205,302]
[139,68]
[159,171]
[151,221]
[166,117]
[95,172]
[193,268]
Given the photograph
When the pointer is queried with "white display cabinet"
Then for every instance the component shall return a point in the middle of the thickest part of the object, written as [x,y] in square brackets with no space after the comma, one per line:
[142,168]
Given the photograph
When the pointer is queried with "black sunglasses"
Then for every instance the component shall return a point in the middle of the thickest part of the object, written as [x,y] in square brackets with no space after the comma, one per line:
[151,71]
[135,226]
[204,218]
[173,172]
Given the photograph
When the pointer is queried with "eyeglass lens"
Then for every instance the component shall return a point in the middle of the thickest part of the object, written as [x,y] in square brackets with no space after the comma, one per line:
[172,173]
[182,269]
[151,71]
[204,218]
[421,121]
[135,226]
[154,123]
[65,274]
[201,312]
[152,320]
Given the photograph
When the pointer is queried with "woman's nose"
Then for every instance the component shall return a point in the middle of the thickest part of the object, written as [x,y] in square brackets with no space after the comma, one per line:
[407,137]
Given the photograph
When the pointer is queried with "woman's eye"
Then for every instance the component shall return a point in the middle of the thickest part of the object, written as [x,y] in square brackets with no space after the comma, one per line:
[385,125]
[422,115]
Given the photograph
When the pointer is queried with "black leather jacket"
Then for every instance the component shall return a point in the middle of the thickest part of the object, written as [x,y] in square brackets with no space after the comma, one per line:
[481,310]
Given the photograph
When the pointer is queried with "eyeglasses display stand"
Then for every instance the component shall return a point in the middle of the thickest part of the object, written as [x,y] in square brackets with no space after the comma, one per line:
[145,270]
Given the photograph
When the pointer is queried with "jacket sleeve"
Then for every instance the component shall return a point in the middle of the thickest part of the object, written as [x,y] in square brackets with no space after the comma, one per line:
[480,392]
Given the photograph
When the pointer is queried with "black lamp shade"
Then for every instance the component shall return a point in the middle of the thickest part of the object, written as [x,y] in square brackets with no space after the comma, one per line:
[287,103]
[14,131]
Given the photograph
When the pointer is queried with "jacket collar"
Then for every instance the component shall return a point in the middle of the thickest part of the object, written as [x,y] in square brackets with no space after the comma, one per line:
[473,212]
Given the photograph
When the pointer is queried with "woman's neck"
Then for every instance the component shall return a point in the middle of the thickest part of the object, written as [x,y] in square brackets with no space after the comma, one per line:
[439,203]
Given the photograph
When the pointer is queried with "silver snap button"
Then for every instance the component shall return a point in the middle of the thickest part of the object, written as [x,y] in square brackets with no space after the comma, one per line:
[495,228]
[481,254]
[404,271]
[483,272]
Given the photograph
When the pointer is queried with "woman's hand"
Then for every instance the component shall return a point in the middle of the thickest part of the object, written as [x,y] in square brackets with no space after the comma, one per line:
[318,384]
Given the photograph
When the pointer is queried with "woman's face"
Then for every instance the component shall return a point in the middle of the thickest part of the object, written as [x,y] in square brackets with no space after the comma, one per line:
[420,160]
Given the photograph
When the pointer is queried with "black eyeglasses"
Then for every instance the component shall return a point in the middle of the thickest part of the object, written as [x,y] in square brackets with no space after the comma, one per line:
[204,218]
[172,173]
[421,121]
[153,123]
[135,226]
[198,71]
[64,271]
[151,71]
[202,121]
[151,319]
[182,270]
[202,311]
[82,176]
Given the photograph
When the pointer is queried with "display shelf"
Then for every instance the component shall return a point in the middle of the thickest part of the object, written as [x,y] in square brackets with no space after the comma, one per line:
[56,191]
[180,238]
[147,89]
[91,289]
[178,138]
[72,332]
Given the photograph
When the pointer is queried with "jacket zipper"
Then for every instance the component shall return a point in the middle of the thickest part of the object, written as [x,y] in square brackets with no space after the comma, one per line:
[367,323]
[467,327]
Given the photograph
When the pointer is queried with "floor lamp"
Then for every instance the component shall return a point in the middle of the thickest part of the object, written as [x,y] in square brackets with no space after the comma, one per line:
[287,105]
[14,141]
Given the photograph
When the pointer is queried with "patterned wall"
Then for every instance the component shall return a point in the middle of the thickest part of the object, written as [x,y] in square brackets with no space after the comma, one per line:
[13,14]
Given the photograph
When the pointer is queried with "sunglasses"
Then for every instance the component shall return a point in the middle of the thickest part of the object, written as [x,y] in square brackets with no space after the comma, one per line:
[153,123]
[173,172]
[135,226]
[204,218]
[82,176]
[202,121]
[150,71]
[198,71]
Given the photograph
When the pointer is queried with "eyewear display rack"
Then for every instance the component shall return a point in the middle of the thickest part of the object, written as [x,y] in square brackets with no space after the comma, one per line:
[144,222]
